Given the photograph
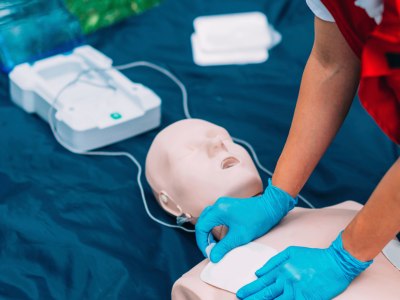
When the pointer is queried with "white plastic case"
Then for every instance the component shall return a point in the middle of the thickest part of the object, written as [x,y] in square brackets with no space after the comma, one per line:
[88,114]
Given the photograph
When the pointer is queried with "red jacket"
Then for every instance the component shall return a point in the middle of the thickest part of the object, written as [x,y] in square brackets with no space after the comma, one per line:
[378,47]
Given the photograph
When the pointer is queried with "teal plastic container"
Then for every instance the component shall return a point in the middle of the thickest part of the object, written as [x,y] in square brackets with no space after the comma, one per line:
[34,29]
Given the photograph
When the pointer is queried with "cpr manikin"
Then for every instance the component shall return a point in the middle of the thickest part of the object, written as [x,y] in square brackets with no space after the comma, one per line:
[313,228]
[192,163]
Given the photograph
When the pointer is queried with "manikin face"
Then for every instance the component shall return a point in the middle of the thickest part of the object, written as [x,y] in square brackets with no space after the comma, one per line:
[192,163]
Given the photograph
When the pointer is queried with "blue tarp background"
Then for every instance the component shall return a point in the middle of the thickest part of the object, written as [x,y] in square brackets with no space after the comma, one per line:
[74,227]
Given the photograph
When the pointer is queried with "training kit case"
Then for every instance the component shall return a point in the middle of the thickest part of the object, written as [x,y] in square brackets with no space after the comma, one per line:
[102,108]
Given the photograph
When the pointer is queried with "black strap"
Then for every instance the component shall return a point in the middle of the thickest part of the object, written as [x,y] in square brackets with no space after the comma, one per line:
[393,60]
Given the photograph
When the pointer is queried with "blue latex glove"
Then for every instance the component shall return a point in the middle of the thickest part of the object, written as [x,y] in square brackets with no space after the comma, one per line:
[305,273]
[247,219]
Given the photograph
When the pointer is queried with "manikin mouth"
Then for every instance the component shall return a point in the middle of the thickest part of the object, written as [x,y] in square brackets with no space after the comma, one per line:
[229,163]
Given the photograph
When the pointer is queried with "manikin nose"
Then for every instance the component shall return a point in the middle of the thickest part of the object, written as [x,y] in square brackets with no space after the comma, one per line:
[215,146]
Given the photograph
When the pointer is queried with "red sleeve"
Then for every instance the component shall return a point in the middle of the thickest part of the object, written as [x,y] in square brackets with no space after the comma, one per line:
[353,22]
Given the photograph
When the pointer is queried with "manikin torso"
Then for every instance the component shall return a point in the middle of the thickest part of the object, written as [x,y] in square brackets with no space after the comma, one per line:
[307,228]
[192,163]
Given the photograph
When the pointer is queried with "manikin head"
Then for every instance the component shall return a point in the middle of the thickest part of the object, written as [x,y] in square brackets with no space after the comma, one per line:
[192,163]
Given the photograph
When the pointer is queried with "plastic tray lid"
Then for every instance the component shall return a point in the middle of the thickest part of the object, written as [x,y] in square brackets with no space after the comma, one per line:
[232,31]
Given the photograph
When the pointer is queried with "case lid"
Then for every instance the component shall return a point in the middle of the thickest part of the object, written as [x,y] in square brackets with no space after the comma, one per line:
[229,32]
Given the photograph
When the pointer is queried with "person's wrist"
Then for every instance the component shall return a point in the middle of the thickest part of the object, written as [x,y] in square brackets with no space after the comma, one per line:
[350,265]
[277,203]
[287,200]
[285,185]
[351,242]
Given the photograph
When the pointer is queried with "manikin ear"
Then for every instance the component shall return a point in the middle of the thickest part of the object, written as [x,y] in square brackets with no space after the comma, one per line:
[168,204]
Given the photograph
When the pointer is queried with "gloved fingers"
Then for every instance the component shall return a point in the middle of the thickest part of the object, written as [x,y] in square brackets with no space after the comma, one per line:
[287,293]
[206,222]
[204,212]
[273,263]
[258,285]
[271,292]
[285,296]
[225,245]
[211,239]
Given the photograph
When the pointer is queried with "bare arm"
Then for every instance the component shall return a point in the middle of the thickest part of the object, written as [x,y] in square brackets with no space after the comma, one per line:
[378,222]
[329,83]
[328,86]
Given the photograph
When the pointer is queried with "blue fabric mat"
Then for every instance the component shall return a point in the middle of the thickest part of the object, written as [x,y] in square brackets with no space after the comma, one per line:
[74,227]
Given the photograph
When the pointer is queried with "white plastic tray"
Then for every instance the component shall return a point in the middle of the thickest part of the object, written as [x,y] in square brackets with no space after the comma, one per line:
[87,115]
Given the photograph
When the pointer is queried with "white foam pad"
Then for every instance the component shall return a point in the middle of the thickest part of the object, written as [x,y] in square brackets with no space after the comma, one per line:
[235,57]
[232,32]
[237,268]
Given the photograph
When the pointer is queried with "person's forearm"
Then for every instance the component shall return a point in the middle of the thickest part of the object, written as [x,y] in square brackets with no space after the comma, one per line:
[328,86]
[378,222]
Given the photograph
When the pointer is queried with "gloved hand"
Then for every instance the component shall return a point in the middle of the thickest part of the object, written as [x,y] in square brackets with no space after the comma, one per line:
[304,273]
[247,219]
